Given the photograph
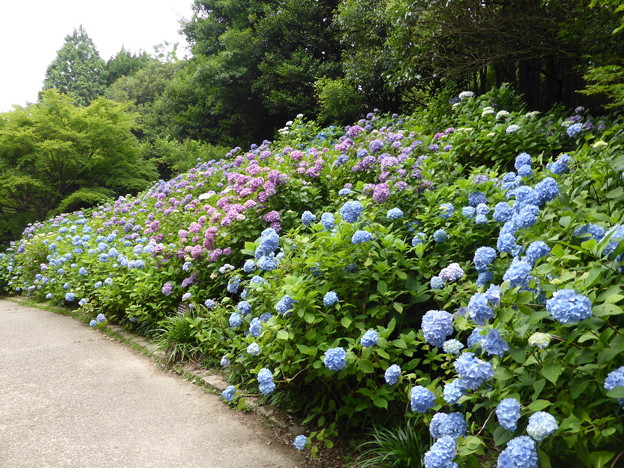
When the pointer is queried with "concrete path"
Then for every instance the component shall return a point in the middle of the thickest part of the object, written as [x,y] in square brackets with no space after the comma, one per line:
[71,397]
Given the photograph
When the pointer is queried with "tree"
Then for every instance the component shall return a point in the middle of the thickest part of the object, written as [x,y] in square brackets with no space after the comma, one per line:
[78,70]
[56,156]
[125,63]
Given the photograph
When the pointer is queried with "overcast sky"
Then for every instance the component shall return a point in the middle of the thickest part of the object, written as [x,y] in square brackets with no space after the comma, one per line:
[32,31]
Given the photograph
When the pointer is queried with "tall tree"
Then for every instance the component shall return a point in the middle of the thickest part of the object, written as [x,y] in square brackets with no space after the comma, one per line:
[77,70]
[56,156]
[125,63]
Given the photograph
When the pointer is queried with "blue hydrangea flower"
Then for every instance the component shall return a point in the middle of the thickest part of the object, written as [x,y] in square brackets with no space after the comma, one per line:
[452,425]
[92,323]
[369,339]
[547,189]
[285,304]
[225,361]
[541,425]
[361,236]
[69,297]
[518,273]
[268,262]
[418,239]
[508,413]
[574,129]
[520,452]
[440,235]
[479,309]
[335,359]
[593,231]
[476,336]
[228,393]
[476,198]
[446,210]
[265,381]
[502,212]
[483,258]
[235,320]
[351,211]
[506,242]
[615,379]
[451,273]
[394,213]
[233,284]
[525,217]
[484,278]
[537,250]
[453,391]
[300,442]
[436,326]
[100,318]
[48,295]
[494,344]
[523,159]
[472,370]
[441,454]
[567,306]
[255,327]
[330,298]
[452,346]
[525,171]
[327,220]
[392,374]
[307,218]
[253,349]
[468,212]
[421,399]
[249,266]
[615,236]
[210,303]
[344,192]
[244,307]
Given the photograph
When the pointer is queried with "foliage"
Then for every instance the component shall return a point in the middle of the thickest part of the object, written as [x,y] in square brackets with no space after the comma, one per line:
[78,70]
[55,155]
[125,63]
[339,101]
[346,267]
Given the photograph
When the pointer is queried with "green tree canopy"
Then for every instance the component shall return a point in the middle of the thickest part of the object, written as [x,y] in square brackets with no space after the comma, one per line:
[125,63]
[78,70]
[56,156]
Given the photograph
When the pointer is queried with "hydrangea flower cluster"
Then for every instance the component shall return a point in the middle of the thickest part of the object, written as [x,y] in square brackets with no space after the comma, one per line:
[540,340]
[518,273]
[451,425]
[483,258]
[228,393]
[360,237]
[394,213]
[327,220]
[421,399]
[446,210]
[615,379]
[567,306]
[453,391]
[392,374]
[265,381]
[308,218]
[472,371]
[508,413]
[541,425]
[451,273]
[436,326]
[520,452]
[330,298]
[452,346]
[351,211]
[335,359]
[369,338]
[441,454]
[285,304]
[300,442]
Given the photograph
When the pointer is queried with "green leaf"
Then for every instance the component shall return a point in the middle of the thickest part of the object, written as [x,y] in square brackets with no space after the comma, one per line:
[382,287]
[607,309]
[346,322]
[282,335]
[366,366]
[380,402]
[617,392]
[544,460]
[538,405]
[552,371]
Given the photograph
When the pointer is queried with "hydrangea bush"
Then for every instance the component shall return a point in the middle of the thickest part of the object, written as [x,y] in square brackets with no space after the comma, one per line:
[469,280]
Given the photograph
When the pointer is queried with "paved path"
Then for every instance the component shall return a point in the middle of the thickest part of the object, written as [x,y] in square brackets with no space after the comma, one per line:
[71,397]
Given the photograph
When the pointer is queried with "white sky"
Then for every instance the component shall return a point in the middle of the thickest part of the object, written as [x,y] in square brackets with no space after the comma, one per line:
[32,31]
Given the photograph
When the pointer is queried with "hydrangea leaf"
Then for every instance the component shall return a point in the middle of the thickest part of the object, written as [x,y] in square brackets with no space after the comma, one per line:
[552,371]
